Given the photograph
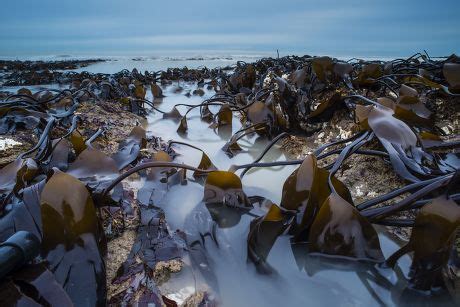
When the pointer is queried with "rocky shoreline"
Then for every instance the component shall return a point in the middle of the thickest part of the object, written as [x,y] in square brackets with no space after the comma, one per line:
[316,100]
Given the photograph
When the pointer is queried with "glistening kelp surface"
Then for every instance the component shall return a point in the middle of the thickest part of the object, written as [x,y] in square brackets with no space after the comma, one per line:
[200,166]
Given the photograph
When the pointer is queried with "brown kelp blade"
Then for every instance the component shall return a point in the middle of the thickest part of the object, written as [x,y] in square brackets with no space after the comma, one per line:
[408,109]
[72,240]
[94,168]
[225,199]
[128,149]
[78,142]
[224,116]
[206,114]
[59,157]
[173,114]
[139,91]
[243,77]
[399,140]
[183,126]
[14,175]
[23,213]
[13,118]
[231,148]
[451,72]
[432,241]
[305,190]
[326,108]
[205,164]
[263,233]
[343,70]
[225,188]
[368,74]
[406,90]
[297,187]
[259,113]
[322,66]
[157,92]
[33,285]
[157,181]
[339,230]
[299,77]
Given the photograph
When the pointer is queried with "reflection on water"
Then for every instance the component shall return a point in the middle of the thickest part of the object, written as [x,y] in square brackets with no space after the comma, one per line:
[221,263]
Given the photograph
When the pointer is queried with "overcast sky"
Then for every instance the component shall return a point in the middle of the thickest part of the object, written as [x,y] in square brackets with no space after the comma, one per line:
[138,27]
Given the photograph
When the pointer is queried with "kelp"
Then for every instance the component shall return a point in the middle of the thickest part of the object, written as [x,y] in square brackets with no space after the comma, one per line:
[19,249]
[432,242]
[262,154]
[72,240]
[451,72]
[23,213]
[224,197]
[259,114]
[224,116]
[174,113]
[15,175]
[231,148]
[128,149]
[183,126]
[306,190]
[322,66]
[244,76]
[156,181]
[94,168]
[368,74]
[139,90]
[156,90]
[40,72]
[205,162]
[399,140]
[263,233]
[60,155]
[33,285]
[225,188]
[408,109]
[206,114]
[77,141]
[394,103]
[326,108]
[153,244]
[341,231]
[15,118]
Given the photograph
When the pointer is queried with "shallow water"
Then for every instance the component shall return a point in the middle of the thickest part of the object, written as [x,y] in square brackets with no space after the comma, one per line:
[238,282]
[113,65]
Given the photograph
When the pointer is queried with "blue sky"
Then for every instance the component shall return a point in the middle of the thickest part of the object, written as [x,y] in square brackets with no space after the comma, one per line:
[121,27]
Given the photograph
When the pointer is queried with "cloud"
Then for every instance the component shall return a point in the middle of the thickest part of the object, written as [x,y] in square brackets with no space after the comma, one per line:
[320,26]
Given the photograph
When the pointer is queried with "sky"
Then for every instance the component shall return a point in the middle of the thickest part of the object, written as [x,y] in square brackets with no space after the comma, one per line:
[315,27]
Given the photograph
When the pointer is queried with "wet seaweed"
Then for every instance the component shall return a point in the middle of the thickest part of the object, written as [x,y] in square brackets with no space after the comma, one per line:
[56,189]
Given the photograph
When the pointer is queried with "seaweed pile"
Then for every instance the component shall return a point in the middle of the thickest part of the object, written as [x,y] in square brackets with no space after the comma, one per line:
[64,198]
[21,73]
[15,73]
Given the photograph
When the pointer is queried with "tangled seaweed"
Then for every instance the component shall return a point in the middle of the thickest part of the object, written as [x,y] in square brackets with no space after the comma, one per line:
[59,189]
